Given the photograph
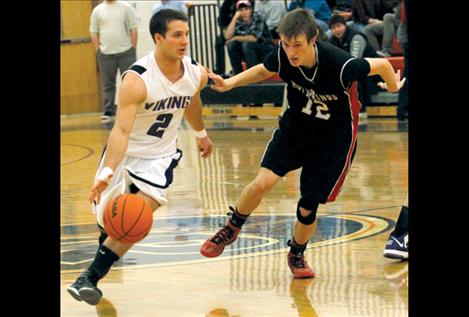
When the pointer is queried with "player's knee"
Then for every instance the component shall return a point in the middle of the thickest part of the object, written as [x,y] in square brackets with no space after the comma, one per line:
[306,211]
[260,187]
[150,201]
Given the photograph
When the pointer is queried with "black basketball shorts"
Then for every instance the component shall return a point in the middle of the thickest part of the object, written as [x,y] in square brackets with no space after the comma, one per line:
[324,155]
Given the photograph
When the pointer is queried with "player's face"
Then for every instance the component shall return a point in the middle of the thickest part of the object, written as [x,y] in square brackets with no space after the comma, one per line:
[175,42]
[298,49]
[338,30]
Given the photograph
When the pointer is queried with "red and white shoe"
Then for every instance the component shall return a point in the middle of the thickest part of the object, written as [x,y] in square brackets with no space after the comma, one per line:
[299,266]
[215,245]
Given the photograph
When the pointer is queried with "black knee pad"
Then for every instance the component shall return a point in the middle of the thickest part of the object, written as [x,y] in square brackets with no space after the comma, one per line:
[308,205]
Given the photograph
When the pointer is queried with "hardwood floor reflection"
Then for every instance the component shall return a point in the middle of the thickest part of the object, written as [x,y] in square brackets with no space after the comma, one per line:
[164,275]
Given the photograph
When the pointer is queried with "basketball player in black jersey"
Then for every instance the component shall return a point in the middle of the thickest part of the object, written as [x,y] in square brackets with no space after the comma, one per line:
[317,132]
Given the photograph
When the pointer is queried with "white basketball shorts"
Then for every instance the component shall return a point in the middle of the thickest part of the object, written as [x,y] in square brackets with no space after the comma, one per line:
[151,176]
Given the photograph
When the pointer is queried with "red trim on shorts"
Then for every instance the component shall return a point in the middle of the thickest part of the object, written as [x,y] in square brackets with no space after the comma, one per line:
[355,107]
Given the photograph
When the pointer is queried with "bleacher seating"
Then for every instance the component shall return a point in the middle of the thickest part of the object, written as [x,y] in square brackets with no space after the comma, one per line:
[272,90]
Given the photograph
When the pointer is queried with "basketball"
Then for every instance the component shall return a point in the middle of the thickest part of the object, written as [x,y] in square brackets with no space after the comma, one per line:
[128,218]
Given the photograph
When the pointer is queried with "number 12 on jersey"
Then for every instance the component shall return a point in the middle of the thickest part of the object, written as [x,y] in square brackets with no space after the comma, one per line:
[321,109]
[162,122]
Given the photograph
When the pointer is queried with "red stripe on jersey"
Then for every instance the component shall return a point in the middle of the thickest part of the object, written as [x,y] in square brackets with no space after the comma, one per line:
[355,107]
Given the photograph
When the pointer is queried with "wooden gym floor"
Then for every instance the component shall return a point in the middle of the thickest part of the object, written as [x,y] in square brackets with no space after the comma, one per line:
[164,275]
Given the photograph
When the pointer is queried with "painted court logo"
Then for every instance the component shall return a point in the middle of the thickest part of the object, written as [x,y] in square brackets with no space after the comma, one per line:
[176,240]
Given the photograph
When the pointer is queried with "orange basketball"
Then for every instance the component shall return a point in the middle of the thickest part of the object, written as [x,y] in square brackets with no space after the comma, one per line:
[128,218]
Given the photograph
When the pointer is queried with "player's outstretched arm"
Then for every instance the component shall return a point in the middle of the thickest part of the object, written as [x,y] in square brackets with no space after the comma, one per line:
[132,92]
[382,67]
[249,76]
[193,115]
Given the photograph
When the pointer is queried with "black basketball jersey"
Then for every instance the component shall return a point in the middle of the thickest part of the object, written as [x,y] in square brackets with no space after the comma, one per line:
[325,93]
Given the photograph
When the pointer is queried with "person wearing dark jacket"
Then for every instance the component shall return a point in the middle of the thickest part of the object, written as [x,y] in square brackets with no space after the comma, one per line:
[227,11]
[357,45]
[348,39]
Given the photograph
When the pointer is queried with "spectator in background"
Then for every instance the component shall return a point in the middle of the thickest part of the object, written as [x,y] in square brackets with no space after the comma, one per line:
[178,5]
[113,28]
[403,103]
[384,29]
[227,11]
[272,11]
[348,39]
[248,37]
[365,13]
[357,45]
[342,6]
[322,12]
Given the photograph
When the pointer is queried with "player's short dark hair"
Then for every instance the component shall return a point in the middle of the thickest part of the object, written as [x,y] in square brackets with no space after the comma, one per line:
[337,19]
[160,20]
[297,22]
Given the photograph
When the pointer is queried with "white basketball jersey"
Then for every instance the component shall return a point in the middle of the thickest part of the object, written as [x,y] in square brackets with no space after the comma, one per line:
[155,128]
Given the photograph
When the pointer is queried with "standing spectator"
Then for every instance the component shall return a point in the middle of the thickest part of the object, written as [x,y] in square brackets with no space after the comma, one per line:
[113,29]
[322,12]
[248,37]
[272,11]
[178,5]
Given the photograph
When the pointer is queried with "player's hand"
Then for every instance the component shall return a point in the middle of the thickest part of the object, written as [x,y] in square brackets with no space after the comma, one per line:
[205,146]
[399,82]
[219,84]
[95,193]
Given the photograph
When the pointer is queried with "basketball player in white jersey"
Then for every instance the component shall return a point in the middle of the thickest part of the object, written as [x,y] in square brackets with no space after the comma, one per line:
[141,152]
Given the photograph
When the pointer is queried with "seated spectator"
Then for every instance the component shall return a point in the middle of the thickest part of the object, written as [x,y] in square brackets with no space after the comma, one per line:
[385,30]
[367,15]
[363,13]
[178,5]
[357,45]
[272,11]
[322,12]
[348,39]
[342,6]
[227,11]
[248,37]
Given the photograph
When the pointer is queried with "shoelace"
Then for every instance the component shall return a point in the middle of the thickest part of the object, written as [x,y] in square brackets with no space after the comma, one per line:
[224,235]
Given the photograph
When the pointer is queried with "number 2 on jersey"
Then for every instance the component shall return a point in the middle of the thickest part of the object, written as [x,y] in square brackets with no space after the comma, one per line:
[162,122]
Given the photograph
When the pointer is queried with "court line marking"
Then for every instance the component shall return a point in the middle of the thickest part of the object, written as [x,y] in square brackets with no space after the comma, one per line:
[372,225]
[90,152]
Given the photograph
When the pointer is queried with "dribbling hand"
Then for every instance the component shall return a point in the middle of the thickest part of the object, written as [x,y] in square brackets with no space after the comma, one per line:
[95,193]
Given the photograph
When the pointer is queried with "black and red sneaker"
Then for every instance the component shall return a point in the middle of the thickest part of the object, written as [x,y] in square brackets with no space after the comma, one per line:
[215,245]
[299,266]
